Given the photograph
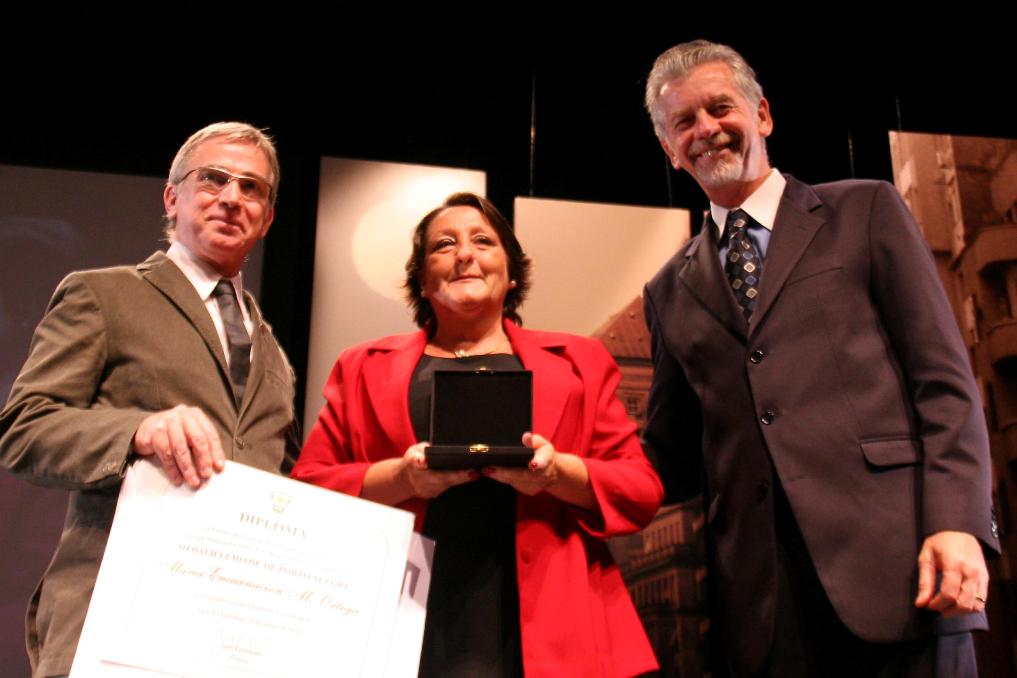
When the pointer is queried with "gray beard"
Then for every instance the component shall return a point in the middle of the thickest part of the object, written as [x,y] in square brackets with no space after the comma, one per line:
[722,173]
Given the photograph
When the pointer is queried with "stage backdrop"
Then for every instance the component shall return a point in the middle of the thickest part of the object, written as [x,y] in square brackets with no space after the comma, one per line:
[590,260]
[366,214]
[963,192]
[53,222]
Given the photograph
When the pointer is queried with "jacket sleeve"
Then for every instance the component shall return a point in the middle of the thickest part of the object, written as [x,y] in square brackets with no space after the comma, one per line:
[674,431]
[627,490]
[329,458]
[56,429]
[950,422]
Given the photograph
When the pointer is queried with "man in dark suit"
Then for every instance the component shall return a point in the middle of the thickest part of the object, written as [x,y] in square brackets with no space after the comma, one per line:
[810,381]
[160,360]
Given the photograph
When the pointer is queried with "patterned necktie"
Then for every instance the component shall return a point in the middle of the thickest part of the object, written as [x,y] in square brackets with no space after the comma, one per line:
[743,266]
[236,336]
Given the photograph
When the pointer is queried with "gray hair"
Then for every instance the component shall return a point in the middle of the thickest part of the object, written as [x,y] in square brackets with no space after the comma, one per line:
[233,132]
[679,61]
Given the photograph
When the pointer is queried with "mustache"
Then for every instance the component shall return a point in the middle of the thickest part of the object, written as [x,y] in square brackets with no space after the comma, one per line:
[718,140]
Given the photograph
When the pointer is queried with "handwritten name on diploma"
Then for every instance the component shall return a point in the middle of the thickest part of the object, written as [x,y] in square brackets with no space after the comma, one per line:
[217,575]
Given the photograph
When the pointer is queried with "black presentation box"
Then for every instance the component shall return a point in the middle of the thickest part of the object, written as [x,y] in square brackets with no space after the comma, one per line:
[478,419]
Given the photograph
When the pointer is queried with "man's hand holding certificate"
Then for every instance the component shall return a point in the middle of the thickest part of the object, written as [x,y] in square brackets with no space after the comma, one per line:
[253,574]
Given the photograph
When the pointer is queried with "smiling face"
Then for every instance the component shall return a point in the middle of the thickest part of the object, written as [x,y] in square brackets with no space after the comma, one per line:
[220,228]
[710,130]
[465,266]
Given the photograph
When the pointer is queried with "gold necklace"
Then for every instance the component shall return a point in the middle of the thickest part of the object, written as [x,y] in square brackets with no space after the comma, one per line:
[463,353]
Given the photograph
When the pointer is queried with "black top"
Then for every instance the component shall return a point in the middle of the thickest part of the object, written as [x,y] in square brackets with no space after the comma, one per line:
[472,624]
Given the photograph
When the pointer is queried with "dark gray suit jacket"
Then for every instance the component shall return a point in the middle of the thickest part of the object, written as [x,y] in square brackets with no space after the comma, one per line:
[114,346]
[852,379]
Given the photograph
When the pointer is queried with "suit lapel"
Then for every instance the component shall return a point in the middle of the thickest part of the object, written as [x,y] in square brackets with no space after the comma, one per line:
[551,376]
[164,275]
[387,374]
[705,279]
[793,231]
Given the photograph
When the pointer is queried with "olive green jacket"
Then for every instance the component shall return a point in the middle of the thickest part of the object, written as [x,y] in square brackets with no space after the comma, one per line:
[116,345]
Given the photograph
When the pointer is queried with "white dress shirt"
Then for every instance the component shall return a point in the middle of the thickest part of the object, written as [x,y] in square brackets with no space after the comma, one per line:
[204,279]
[761,206]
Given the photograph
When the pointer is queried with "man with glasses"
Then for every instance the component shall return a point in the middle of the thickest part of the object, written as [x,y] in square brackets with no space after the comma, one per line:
[168,360]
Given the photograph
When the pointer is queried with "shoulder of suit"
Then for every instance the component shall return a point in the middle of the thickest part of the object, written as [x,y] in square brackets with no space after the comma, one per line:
[116,273]
[111,286]
[833,190]
[850,184]
[834,195]
[98,279]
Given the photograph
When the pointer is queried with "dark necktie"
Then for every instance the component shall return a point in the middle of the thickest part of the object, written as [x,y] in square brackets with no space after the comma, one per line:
[743,266]
[236,336]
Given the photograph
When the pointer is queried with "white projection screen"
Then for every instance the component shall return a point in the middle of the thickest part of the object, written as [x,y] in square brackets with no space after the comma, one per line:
[590,260]
[366,214]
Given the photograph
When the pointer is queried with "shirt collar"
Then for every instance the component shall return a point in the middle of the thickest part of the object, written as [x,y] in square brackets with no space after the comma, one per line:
[761,205]
[201,275]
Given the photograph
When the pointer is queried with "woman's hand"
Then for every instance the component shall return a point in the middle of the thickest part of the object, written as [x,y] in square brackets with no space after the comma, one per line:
[541,472]
[425,483]
[393,481]
[560,474]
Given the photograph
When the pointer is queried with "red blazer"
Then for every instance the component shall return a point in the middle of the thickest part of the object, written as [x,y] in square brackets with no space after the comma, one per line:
[575,613]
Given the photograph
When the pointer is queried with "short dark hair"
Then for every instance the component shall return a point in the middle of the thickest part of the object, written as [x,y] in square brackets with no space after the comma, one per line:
[518,262]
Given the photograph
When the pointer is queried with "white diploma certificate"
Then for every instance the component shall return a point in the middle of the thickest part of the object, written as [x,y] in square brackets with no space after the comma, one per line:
[254,574]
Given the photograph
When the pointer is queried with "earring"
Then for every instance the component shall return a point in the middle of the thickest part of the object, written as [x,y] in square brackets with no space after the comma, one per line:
[512,283]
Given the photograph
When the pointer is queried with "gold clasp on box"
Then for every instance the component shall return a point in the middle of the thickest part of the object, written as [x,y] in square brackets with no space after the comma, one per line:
[479,448]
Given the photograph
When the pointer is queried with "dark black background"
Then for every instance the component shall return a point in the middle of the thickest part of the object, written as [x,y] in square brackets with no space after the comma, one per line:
[119,89]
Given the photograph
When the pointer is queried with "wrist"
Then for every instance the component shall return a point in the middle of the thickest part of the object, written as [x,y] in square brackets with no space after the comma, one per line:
[403,481]
[385,482]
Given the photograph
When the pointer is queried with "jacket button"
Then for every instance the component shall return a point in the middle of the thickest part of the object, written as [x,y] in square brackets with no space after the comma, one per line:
[241,443]
[768,417]
[756,357]
[764,489]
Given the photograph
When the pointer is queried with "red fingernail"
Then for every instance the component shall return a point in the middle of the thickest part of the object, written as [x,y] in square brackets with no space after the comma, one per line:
[533,466]
[488,471]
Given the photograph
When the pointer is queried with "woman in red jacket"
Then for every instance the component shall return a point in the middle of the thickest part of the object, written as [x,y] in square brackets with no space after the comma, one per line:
[522,578]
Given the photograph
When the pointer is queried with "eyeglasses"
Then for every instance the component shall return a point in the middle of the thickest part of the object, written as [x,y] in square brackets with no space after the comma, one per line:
[214,180]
